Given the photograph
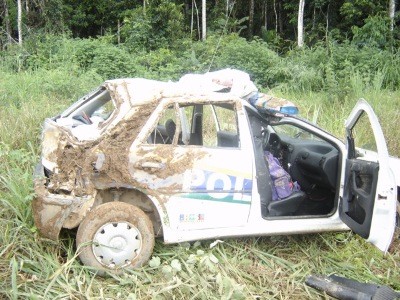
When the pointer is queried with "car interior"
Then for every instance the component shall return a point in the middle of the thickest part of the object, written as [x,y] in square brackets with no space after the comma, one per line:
[311,162]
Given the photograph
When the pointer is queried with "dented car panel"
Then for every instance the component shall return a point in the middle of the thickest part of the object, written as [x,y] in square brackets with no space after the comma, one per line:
[64,179]
[52,212]
[192,159]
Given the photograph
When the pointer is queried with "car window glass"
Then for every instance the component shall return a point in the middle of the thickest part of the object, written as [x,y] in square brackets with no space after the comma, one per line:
[363,135]
[295,132]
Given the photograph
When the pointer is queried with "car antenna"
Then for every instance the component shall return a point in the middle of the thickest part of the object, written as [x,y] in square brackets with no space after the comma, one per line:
[222,34]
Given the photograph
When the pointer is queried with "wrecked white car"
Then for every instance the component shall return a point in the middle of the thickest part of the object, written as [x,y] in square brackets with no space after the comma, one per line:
[137,159]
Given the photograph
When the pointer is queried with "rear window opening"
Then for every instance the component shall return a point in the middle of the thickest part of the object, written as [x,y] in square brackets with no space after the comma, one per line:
[88,116]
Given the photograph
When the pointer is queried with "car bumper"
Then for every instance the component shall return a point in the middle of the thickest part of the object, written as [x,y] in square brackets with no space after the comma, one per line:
[51,212]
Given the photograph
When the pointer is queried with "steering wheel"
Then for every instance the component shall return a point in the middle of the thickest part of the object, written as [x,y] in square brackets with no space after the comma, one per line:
[271,142]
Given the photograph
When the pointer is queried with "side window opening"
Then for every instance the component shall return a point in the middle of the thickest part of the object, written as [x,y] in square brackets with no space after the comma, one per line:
[208,125]
[93,111]
[165,129]
[362,136]
[226,125]
[104,111]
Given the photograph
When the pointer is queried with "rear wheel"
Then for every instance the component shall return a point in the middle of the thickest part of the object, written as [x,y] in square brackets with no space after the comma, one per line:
[115,236]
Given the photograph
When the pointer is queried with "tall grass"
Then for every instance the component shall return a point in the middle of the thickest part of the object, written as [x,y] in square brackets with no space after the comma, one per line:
[32,267]
[26,98]
[330,111]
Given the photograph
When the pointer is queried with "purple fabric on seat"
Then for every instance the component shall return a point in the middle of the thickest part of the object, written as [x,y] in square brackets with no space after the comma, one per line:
[282,186]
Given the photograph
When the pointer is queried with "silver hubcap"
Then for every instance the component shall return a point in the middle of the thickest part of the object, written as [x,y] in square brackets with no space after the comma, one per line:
[116,244]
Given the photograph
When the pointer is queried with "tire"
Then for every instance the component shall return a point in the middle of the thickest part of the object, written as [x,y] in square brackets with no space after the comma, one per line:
[115,236]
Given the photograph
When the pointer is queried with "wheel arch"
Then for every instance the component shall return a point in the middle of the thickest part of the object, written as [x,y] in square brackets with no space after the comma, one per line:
[148,204]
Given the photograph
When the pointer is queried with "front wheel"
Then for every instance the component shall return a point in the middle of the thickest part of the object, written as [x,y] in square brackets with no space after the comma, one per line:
[115,236]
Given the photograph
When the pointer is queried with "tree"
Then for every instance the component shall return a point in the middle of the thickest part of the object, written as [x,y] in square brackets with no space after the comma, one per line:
[203,20]
[7,21]
[300,27]
[251,18]
[19,21]
[392,9]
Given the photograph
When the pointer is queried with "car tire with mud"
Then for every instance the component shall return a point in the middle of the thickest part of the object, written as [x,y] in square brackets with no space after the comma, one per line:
[115,236]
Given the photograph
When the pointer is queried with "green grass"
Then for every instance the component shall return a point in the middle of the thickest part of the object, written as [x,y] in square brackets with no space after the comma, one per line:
[32,267]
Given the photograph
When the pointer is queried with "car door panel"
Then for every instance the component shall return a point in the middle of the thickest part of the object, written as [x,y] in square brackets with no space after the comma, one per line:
[360,190]
[369,199]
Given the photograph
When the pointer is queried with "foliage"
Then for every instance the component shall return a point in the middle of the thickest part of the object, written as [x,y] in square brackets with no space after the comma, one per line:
[105,59]
[354,12]
[136,31]
[374,33]
[163,23]
[92,18]
[157,26]
[253,57]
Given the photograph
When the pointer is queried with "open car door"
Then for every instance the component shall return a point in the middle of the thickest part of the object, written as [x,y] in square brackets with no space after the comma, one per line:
[369,200]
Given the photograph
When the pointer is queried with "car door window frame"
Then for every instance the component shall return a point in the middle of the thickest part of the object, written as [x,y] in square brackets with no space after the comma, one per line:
[180,120]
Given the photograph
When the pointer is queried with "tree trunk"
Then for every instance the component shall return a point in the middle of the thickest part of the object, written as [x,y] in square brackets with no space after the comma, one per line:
[192,20]
[300,28]
[265,15]
[119,32]
[203,20]
[327,24]
[19,21]
[280,13]
[392,9]
[7,20]
[313,19]
[276,18]
[197,18]
[251,18]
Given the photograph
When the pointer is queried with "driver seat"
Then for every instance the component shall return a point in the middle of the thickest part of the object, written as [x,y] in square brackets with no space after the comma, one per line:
[286,206]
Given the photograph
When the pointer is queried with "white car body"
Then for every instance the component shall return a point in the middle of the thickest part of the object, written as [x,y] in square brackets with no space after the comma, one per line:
[192,190]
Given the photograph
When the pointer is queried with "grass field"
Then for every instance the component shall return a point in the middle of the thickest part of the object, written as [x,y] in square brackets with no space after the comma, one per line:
[32,267]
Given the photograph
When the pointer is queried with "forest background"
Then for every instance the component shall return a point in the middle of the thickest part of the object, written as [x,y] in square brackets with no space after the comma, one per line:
[321,54]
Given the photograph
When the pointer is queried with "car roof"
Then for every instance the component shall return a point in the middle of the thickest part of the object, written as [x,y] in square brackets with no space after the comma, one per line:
[140,91]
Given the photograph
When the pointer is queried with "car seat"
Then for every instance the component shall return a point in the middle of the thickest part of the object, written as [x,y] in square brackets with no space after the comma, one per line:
[170,127]
[286,206]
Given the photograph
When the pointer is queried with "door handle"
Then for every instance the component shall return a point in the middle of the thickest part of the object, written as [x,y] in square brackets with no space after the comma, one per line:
[152,165]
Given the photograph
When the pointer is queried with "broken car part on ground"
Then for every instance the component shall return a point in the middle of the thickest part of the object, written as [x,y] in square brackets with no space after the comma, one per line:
[138,159]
